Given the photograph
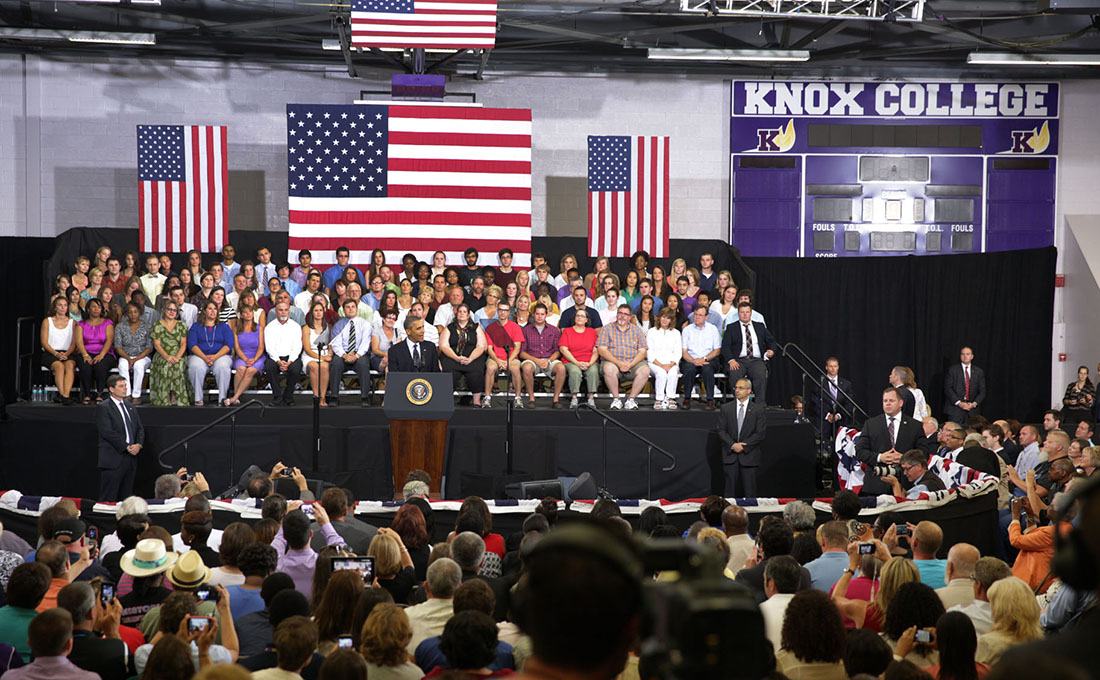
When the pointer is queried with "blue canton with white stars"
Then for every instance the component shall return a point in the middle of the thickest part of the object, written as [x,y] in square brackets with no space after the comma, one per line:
[608,163]
[337,151]
[160,153]
[397,6]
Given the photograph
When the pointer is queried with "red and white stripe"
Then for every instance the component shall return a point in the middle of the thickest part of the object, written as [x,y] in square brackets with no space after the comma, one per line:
[455,24]
[458,177]
[176,217]
[623,222]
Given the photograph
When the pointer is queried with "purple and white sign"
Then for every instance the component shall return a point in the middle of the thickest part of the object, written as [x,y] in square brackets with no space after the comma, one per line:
[834,169]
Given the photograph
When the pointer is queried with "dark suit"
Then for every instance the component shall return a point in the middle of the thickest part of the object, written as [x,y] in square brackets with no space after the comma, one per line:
[980,459]
[741,466]
[875,439]
[401,360]
[116,465]
[954,389]
[908,401]
[1010,452]
[733,343]
[821,403]
[753,579]
[106,657]
[357,535]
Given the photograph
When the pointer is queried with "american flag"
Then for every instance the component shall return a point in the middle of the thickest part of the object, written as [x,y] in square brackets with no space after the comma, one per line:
[409,179]
[627,195]
[183,179]
[448,24]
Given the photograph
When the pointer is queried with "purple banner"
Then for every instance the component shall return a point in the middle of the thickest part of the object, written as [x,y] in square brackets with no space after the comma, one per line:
[895,99]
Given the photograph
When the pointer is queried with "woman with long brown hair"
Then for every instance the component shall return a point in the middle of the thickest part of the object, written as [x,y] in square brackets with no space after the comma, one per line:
[316,355]
[248,346]
[58,340]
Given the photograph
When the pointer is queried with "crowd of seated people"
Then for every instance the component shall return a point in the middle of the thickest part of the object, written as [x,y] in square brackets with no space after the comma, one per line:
[262,322]
[561,598]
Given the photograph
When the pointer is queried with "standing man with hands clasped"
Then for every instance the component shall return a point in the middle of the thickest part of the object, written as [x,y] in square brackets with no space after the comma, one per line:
[121,437]
[741,428]
[964,388]
[885,437]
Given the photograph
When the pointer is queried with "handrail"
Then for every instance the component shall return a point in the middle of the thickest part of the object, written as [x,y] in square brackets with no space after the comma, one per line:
[786,352]
[231,415]
[650,446]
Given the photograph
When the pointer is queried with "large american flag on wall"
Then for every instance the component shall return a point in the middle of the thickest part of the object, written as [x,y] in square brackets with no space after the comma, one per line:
[627,195]
[183,179]
[444,24]
[409,179]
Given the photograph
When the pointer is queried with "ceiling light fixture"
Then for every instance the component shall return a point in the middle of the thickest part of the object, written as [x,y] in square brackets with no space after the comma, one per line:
[108,37]
[1033,59]
[688,54]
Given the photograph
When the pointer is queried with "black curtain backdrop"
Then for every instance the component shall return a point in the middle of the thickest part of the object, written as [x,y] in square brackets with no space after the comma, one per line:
[22,260]
[875,313]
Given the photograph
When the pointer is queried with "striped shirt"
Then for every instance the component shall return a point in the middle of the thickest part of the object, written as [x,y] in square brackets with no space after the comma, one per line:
[622,344]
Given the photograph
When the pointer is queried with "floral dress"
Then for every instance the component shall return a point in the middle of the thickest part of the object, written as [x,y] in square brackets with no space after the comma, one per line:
[165,378]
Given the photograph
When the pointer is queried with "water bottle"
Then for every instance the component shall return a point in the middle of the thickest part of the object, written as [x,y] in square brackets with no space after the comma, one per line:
[37,394]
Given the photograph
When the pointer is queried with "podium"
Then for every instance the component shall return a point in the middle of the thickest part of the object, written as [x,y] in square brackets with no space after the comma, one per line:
[418,406]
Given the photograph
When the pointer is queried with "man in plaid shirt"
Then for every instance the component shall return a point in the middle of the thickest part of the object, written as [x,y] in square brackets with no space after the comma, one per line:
[622,348]
[540,354]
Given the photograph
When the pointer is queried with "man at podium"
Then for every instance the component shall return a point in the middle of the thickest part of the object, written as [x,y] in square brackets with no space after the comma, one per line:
[414,355]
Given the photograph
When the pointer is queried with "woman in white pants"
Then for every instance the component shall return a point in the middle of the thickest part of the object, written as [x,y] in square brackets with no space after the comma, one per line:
[134,348]
[663,353]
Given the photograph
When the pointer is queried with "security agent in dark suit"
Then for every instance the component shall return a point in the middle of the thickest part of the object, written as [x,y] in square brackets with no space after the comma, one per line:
[745,358]
[121,436]
[885,437]
[963,389]
[741,428]
[828,406]
[413,355]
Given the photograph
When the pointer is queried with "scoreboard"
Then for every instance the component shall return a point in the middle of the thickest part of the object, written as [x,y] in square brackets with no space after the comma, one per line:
[839,169]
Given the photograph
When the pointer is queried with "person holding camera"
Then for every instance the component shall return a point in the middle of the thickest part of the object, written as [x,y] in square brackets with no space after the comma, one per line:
[179,619]
[914,465]
[97,645]
[956,643]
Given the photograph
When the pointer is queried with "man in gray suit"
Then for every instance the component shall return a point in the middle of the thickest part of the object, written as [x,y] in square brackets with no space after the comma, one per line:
[741,428]
[357,534]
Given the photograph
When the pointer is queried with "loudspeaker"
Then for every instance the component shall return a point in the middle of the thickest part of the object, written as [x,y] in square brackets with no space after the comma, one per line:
[584,488]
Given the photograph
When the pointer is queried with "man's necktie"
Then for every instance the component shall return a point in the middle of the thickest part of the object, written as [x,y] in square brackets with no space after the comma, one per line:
[351,336]
[126,424]
[832,390]
[890,429]
[748,342]
[416,354]
[966,376]
[740,418]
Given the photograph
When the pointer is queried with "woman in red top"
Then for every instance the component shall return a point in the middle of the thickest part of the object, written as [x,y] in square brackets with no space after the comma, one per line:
[578,345]
[895,572]
[493,542]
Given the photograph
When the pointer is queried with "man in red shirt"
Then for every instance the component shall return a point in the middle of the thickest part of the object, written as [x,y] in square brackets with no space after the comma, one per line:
[505,339]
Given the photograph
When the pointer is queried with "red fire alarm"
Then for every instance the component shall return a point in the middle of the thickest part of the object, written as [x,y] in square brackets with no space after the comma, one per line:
[1059,280]
[1061,356]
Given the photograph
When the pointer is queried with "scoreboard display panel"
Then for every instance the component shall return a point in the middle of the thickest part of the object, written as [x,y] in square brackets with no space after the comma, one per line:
[841,169]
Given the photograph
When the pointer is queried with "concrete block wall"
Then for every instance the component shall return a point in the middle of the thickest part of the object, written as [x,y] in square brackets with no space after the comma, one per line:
[78,118]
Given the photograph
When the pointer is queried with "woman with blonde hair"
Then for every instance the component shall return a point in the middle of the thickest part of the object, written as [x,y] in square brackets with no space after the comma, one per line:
[393,566]
[568,261]
[523,282]
[724,281]
[678,268]
[1015,619]
[726,306]
[922,410]
[80,278]
[95,283]
[895,572]
[385,635]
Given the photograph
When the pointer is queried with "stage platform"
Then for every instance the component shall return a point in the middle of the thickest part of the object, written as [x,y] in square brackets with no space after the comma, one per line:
[50,449]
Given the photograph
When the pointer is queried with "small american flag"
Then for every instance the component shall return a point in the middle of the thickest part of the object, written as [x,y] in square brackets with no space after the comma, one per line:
[627,195]
[182,187]
[409,179]
[447,24]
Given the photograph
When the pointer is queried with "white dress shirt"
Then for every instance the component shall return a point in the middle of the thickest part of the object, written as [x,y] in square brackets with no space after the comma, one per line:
[188,314]
[1028,459]
[444,315]
[362,337]
[699,342]
[303,301]
[755,341]
[773,610]
[127,421]
[567,302]
[264,273]
[283,339]
[663,346]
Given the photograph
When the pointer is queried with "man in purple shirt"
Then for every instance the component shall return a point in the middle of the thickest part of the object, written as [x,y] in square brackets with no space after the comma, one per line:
[50,635]
[296,558]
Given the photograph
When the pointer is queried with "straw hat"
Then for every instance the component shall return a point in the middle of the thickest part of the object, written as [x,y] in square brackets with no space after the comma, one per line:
[148,558]
[189,571]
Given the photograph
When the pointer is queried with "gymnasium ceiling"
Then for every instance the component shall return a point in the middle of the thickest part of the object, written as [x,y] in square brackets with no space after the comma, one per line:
[581,36]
